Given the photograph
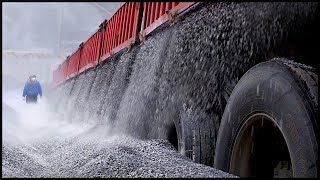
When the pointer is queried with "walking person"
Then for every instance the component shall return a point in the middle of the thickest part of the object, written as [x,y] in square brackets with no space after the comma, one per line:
[31,90]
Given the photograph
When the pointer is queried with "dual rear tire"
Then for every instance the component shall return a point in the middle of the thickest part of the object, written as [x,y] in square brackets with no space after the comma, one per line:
[269,126]
[271,121]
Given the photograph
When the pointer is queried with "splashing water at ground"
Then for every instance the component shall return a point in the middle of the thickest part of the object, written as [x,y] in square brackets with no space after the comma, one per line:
[38,142]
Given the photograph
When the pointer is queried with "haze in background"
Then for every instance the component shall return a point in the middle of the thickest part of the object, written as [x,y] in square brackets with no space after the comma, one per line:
[38,36]
[36,39]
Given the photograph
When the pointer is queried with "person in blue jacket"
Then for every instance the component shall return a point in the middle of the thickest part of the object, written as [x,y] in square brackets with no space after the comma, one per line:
[31,90]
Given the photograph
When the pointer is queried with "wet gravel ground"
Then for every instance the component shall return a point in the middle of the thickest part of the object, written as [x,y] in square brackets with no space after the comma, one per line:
[90,155]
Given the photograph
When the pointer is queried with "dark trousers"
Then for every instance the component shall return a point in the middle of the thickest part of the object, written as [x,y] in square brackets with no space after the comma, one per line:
[31,99]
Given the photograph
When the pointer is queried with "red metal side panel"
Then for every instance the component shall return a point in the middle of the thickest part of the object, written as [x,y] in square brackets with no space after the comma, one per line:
[148,14]
[73,64]
[121,29]
[126,32]
[156,15]
[155,19]
[143,23]
[109,33]
[107,38]
[113,21]
[83,61]
[118,33]
[168,6]
[118,30]
[136,20]
[62,72]
[114,31]
[162,9]
[95,48]
[133,9]
[124,23]
[152,12]
[103,36]
[90,53]
[130,21]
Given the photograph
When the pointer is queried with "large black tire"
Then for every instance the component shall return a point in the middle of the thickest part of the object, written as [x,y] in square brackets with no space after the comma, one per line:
[194,135]
[285,91]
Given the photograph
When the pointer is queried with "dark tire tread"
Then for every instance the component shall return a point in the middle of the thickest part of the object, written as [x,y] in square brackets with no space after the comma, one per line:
[307,77]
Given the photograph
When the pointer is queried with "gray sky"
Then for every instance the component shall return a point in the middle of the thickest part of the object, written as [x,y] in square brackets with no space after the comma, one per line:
[35,26]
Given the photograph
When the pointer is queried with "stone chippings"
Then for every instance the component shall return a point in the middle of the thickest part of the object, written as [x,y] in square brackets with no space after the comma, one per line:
[117,156]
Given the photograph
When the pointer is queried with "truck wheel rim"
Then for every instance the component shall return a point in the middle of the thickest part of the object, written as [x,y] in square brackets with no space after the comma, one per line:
[246,152]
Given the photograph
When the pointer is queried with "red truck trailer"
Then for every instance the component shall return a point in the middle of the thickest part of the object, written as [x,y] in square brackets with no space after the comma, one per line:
[268,123]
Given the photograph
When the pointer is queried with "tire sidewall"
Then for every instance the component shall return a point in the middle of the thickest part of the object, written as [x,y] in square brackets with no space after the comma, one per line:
[270,88]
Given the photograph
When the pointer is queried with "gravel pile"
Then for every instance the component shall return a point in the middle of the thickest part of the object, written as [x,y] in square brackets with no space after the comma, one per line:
[90,155]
